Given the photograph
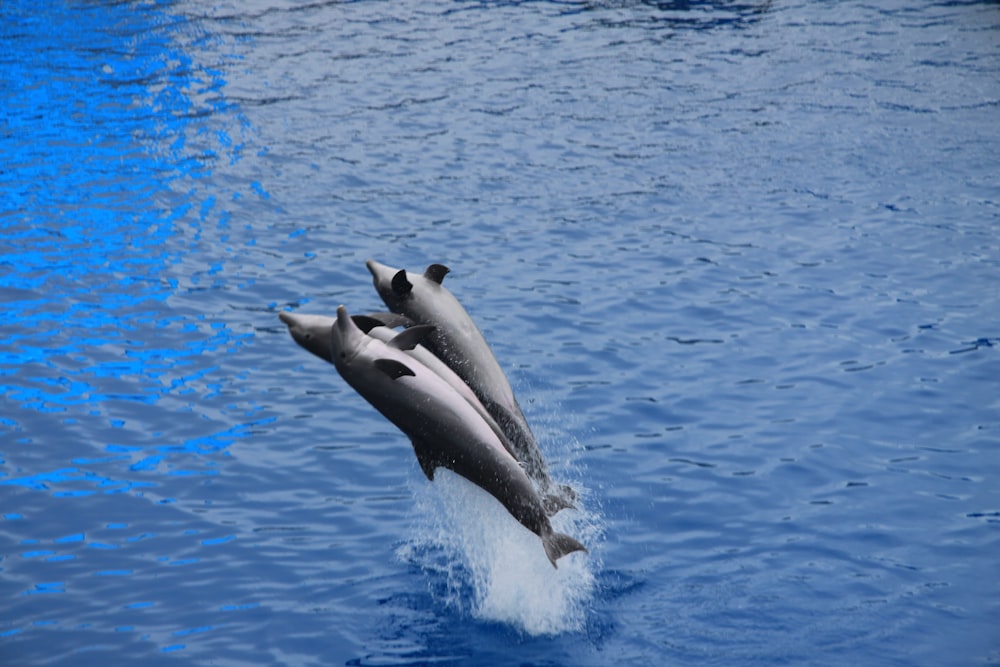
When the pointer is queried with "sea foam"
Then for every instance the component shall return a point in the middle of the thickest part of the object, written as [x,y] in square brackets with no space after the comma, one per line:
[494,568]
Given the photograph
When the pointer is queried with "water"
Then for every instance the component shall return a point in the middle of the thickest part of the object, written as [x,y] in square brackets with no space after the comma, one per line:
[739,260]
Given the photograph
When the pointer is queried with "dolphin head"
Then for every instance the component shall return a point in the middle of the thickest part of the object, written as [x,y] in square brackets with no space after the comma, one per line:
[313,332]
[392,285]
[346,340]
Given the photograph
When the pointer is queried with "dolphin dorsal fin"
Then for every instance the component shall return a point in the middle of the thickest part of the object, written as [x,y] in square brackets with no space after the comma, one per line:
[392,368]
[410,338]
[400,284]
[367,322]
[392,320]
[436,272]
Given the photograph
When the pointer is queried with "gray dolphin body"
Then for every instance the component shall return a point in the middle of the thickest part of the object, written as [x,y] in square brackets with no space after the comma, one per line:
[314,335]
[443,427]
[458,342]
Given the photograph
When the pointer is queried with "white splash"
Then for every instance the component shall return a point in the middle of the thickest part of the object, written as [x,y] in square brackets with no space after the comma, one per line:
[487,555]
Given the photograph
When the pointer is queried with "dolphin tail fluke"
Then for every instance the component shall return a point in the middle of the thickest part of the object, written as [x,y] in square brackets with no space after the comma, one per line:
[568,493]
[558,545]
[553,503]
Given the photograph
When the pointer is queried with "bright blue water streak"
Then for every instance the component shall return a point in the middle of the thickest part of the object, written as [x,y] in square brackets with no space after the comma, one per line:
[96,150]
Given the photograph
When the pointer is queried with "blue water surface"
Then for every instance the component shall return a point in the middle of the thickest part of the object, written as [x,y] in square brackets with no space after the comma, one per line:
[740,260]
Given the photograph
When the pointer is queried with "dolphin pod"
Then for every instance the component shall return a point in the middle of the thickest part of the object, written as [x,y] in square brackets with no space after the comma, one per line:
[444,428]
[419,380]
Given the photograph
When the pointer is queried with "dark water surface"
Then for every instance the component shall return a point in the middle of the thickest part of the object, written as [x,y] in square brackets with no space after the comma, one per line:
[741,261]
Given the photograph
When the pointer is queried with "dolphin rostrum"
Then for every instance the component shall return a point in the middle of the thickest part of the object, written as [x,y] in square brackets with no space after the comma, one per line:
[458,342]
[443,427]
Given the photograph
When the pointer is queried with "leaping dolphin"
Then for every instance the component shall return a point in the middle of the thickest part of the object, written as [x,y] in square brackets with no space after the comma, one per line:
[458,342]
[313,333]
[443,427]
[377,326]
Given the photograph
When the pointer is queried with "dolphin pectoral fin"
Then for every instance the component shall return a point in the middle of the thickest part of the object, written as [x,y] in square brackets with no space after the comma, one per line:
[393,368]
[410,338]
[436,272]
[554,502]
[400,284]
[427,462]
[558,545]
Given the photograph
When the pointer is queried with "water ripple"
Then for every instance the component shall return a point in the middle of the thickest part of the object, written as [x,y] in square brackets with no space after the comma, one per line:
[737,258]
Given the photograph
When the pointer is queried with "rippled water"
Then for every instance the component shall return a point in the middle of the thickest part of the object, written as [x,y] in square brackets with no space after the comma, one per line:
[739,259]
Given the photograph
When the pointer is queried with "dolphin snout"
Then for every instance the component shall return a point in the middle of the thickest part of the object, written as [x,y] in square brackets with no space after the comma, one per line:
[344,321]
[377,269]
[287,318]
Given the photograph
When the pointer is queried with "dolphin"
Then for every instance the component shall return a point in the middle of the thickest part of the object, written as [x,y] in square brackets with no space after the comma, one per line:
[376,326]
[458,342]
[313,333]
[443,427]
